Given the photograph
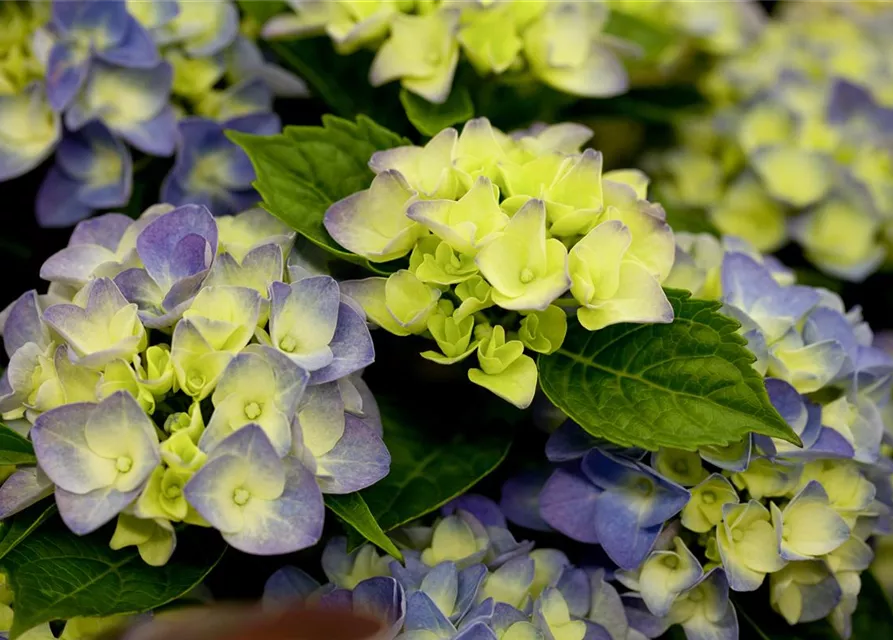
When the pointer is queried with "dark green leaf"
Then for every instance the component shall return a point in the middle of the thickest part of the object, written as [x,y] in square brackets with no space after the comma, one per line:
[428,469]
[14,449]
[684,385]
[354,511]
[873,617]
[58,575]
[23,524]
[304,170]
[430,118]
[262,10]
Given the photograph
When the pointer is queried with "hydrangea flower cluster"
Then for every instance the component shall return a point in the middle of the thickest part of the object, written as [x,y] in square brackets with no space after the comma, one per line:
[758,508]
[561,44]
[467,578]
[797,145]
[94,80]
[182,370]
[498,229]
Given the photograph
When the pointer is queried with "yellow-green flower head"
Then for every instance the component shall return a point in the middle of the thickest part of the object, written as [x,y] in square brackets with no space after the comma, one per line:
[803,591]
[189,422]
[374,223]
[458,538]
[154,370]
[154,538]
[682,467]
[427,170]
[504,369]
[543,331]
[350,24]
[162,498]
[490,35]
[453,337]
[704,509]
[810,527]
[526,269]
[697,265]
[18,63]
[666,574]
[467,224]
[422,52]
[748,545]
[552,615]
[435,262]
[120,376]
[849,492]
[766,479]
[347,570]
[225,316]
[565,48]
[610,288]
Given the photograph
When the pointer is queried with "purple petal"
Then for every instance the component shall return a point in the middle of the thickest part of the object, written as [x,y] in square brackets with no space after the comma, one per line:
[568,504]
[423,615]
[78,155]
[105,230]
[351,347]
[158,243]
[520,501]
[568,442]
[620,531]
[442,586]
[470,581]
[156,136]
[481,507]
[289,585]
[574,584]
[67,69]
[360,459]
[74,265]
[382,598]
[135,48]
[788,402]
[734,457]
[85,513]
[476,631]
[63,453]
[57,202]
[709,627]
[23,324]
[138,287]
[23,488]
[847,100]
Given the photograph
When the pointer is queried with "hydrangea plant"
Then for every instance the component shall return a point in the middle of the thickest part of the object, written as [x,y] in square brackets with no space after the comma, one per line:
[183,369]
[95,81]
[801,516]
[505,235]
[795,146]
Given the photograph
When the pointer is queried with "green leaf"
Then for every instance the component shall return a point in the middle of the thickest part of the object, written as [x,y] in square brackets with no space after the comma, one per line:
[23,524]
[686,384]
[14,449]
[354,511]
[262,10]
[430,118]
[304,170]
[428,468]
[57,575]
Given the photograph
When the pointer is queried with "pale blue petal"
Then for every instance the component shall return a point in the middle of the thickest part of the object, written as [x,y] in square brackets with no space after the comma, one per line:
[520,500]
[57,202]
[382,598]
[85,513]
[351,346]
[289,585]
[27,486]
[569,442]
[23,324]
[423,615]
[568,504]
[360,459]
[481,507]
[67,70]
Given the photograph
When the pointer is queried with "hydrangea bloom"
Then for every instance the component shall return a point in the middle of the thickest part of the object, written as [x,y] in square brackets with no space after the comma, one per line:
[729,517]
[466,578]
[505,233]
[116,413]
[96,81]
[795,146]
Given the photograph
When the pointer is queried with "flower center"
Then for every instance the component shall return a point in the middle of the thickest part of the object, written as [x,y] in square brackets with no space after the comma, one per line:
[671,562]
[241,497]
[708,497]
[680,467]
[696,595]
[644,486]
[252,410]
[737,535]
[526,275]
[196,381]
[123,464]
[433,58]
[288,344]
[173,492]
